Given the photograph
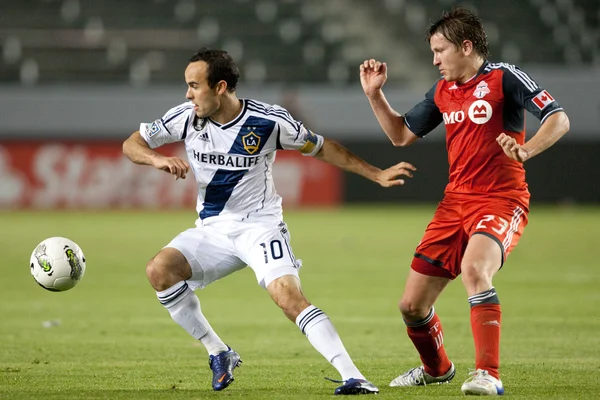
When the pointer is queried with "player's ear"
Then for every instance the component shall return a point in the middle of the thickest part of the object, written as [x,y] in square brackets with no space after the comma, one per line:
[221,87]
[467,47]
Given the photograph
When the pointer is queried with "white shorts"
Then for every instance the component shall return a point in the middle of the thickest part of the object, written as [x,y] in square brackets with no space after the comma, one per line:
[215,250]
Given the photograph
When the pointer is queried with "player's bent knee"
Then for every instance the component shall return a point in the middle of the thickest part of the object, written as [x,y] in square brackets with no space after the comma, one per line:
[413,311]
[475,278]
[157,276]
[166,269]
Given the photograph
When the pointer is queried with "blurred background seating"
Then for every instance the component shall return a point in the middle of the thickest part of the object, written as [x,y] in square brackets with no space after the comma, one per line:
[308,41]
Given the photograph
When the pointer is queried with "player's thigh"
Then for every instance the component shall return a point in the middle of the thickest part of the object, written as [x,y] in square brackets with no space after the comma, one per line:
[443,243]
[266,248]
[210,254]
[500,220]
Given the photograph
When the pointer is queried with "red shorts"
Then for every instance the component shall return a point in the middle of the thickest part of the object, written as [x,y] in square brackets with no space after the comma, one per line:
[457,218]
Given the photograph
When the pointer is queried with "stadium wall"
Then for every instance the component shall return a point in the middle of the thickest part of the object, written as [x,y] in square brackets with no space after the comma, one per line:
[568,172]
[94,174]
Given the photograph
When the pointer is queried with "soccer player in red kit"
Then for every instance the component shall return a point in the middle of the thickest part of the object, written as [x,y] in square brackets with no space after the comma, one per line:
[486,202]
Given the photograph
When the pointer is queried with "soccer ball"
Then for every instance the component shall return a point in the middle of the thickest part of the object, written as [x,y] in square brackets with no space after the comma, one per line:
[57,264]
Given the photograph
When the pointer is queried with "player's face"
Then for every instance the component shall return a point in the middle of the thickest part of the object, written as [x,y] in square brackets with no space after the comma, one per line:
[206,100]
[451,61]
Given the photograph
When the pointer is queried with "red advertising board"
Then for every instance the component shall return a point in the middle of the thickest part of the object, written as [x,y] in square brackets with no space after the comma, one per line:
[96,175]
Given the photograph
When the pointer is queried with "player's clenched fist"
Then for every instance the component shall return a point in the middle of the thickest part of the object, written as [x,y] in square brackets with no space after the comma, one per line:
[173,165]
[511,148]
[373,75]
[391,176]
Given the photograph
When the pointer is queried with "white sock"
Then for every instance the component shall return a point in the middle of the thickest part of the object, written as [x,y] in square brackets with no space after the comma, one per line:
[184,307]
[321,333]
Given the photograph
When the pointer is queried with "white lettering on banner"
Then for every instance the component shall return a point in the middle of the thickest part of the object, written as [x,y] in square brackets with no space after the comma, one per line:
[97,175]
[454,116]
[13,184]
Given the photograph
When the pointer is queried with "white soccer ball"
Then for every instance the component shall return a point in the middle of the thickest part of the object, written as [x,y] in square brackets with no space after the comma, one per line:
[57,264]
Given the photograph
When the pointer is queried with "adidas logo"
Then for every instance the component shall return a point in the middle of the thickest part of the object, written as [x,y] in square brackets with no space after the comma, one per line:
[204,136]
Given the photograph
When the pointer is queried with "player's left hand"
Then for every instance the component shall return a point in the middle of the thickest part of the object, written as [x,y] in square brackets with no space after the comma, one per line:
[511,148]
[390,177]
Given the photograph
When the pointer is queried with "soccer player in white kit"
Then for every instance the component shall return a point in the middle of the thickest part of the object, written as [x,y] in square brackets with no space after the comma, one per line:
[231,145]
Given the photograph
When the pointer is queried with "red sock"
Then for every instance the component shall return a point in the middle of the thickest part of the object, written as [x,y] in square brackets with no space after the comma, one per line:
[485,323]
[428,338]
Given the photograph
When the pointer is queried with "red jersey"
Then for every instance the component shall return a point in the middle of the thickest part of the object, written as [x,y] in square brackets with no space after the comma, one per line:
[475,113]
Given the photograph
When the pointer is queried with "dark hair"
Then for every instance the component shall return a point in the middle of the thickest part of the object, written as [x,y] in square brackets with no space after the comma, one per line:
[461,24]
[221,67]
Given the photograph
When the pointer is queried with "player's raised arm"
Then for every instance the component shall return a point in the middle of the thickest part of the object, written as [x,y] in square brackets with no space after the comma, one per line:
[525,93]
[373,75]
[337,155]
[137,150]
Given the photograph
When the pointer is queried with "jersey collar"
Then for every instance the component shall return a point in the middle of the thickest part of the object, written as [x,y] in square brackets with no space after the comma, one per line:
[474,78]
[235,120]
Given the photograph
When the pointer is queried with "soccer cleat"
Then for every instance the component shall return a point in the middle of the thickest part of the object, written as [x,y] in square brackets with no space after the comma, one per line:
[481,383]
[222,366]
[356,386]
[418,377]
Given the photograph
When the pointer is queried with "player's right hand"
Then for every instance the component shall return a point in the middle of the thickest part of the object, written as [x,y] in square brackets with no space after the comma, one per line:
[373,75]
[173,165]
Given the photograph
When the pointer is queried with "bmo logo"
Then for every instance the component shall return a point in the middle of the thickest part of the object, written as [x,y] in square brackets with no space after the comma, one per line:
[480,112]
[454,117]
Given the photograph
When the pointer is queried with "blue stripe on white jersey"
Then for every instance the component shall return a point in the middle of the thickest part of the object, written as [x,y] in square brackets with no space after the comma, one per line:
[255,132]
[219,191]
[251,138]
[233,162]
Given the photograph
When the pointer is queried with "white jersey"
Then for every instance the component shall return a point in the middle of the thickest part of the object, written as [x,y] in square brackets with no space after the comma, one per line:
[233,162]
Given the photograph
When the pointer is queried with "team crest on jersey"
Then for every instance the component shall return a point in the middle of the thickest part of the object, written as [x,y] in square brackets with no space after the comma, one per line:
[481,90]
[251,141]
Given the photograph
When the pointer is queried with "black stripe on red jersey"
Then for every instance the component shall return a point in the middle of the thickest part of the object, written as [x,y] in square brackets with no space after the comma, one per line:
[521,93]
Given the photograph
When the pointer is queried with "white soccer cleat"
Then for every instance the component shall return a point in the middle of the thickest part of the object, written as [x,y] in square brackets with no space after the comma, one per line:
[481,383]
[418,377]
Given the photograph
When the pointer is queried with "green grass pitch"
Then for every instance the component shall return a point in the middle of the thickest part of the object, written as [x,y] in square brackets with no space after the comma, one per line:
[115,341]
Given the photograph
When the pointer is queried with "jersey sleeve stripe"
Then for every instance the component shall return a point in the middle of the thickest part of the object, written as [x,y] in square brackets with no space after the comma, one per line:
[550,113]
[185,128]
[273,114]
[164,125]
[271,111]
[527,81]
[520,75]
[175,115]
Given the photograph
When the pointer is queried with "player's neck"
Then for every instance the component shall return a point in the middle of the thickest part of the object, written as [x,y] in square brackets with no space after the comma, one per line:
[471,71]
[230,108]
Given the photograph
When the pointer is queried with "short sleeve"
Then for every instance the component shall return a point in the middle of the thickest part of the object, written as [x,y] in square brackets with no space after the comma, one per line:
[425,116]
[168,129]
[293,135]
[524,91]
